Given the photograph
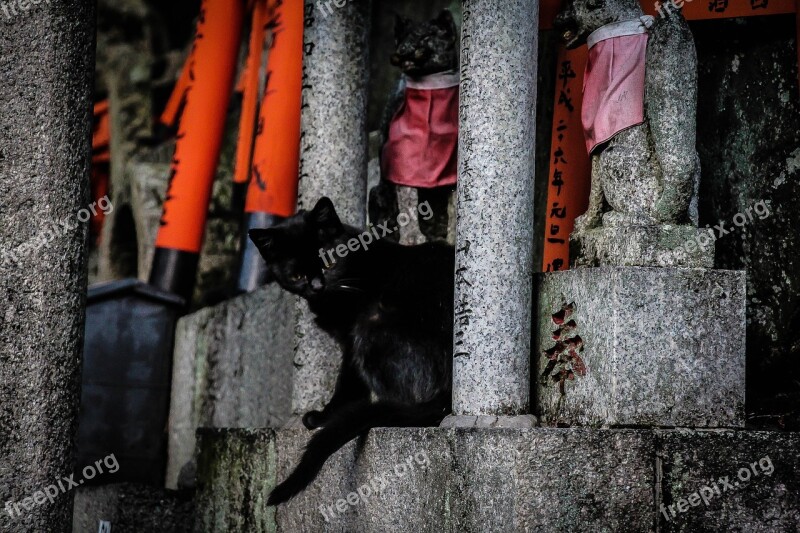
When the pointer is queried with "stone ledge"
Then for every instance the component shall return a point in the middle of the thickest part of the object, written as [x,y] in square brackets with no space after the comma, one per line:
[130,507]
[434,479]
[477,480]
[689,460]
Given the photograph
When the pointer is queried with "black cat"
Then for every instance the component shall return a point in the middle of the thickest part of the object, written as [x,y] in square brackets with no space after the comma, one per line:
[390,308]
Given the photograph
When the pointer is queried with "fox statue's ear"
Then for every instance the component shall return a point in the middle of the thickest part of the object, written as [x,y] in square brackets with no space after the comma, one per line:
[264,239]
[325,219]
[401,26]
[446,22]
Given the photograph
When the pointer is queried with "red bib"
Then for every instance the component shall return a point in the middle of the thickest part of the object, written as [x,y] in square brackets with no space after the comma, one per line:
[422,148]
[613,85]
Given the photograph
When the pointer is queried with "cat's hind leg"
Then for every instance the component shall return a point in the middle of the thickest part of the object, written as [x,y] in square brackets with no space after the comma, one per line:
[349,388]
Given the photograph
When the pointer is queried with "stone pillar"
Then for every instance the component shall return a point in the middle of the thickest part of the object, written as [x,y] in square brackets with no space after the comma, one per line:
[494,239]
[46,66]
[333,161]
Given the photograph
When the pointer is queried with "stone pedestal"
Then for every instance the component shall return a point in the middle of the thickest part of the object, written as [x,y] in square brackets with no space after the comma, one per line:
[661,246]
[433,480]
[631,346]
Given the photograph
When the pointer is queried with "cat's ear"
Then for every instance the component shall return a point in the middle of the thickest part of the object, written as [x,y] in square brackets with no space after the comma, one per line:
[264,239]
[446,23]
[401,26]
[325,218]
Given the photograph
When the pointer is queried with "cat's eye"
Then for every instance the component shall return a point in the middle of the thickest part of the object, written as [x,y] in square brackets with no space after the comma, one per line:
[296,277]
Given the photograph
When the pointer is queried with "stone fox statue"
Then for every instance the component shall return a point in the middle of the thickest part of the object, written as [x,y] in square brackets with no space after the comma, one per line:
[419,130]
[646,172]
[389,307]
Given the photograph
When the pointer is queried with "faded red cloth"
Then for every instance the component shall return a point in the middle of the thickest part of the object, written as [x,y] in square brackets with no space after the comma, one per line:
[613,85]
[422,148]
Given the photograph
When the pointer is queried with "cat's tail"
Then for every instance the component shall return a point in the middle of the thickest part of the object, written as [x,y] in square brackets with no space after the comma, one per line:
[350,422]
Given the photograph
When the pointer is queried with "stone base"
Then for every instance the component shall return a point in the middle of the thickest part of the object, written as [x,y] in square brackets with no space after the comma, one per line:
[232,367]
[477,480]
[470,421]
[133,508]
[657,246]
[630,346]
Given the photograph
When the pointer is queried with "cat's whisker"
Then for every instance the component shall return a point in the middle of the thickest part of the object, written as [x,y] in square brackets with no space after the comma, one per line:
[346,288]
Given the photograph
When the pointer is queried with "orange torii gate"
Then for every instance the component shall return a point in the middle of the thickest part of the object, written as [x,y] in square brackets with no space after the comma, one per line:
[569,169]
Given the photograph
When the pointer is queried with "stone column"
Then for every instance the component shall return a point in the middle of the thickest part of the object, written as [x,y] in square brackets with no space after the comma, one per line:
[494,239]
[333,161]
[46,67]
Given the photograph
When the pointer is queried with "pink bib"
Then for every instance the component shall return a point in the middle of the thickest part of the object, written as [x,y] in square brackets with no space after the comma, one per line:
[613,85]
[422,148]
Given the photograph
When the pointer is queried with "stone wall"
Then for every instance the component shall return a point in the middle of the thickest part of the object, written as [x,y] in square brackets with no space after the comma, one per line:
[749,145]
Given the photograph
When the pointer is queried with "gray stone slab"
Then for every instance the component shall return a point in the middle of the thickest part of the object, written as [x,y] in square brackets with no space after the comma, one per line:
[762,471]
[232,367]
[435,479]
[641,347]
[553,480]
[304,513]
[477,480]
[132,508]
[404,470]
[656,246]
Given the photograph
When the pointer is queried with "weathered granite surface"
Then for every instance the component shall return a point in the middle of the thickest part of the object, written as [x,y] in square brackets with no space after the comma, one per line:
[237,475]
[478,480]
[656,246]
[433,480]
[494,235]
[749,145]
[622,346]
[46,66]
[131,508]
[333,162]
[232,368]
[762,471]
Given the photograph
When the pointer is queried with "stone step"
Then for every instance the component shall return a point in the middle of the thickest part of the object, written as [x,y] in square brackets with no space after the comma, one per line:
[478,480]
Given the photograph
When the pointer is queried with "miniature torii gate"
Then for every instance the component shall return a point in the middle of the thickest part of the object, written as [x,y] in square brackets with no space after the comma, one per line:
[569,171]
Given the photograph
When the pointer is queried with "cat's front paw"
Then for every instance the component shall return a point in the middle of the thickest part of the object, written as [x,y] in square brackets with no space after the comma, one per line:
[313,419]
